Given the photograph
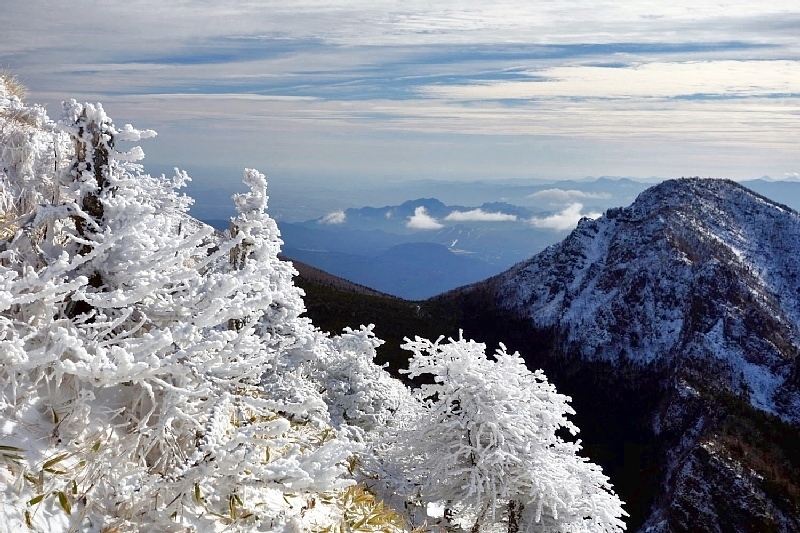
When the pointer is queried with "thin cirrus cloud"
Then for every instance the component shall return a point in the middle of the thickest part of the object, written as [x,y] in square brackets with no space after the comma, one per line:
[692,79]
[479,215]
[614,88]
[564,220]
[422,220]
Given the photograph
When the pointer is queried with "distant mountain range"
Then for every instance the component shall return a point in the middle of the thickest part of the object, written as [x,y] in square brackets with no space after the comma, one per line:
[389,248]
[675,326]
[383,249]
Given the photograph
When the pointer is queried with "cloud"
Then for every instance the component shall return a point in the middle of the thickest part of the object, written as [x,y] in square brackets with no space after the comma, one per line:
[479,215]
[620,88]
[566,219]
[422,220]
[564,195]
[336,217]
[698,79]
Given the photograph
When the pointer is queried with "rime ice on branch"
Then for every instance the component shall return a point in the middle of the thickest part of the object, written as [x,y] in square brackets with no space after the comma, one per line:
[157,375]
[487,445]
[114,341]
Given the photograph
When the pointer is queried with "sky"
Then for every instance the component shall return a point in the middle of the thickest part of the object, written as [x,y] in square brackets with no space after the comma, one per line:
[360,92]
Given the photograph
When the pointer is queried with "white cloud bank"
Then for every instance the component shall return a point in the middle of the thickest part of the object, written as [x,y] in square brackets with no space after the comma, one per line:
[479,215]
[564,195]
[422,220]
[566,219]
[336,217]
[648,80]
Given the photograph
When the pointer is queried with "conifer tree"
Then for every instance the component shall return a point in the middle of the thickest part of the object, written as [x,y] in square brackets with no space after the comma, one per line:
[487,446]
[118,364]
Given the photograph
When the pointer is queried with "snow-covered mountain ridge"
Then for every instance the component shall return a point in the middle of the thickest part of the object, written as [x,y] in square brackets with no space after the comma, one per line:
[697,274]
[673,323]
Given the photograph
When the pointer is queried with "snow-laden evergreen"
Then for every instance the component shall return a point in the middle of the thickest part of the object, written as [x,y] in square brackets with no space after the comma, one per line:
[487,444]
[158,376]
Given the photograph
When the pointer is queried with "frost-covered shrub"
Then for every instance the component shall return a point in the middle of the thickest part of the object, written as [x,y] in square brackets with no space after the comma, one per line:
[158,376]
[487,445]
[29,153]
[361,395]
[132,347]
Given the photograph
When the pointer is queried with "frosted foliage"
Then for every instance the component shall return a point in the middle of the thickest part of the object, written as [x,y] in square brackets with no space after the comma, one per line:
[127,399]
[266,281]
[361,395]
[156,375]
[29,151]
[487,443]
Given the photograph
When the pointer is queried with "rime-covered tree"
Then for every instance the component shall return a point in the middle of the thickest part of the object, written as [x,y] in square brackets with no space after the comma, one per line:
[157,375]
[133,343]
[487,445]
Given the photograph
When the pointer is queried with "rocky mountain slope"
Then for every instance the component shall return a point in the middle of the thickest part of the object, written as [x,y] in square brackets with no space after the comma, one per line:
[675,325]
[699,274]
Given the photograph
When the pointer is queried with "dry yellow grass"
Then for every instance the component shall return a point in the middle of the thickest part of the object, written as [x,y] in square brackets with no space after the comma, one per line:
[13,86]
[18,117]
[11,116]
[7,227]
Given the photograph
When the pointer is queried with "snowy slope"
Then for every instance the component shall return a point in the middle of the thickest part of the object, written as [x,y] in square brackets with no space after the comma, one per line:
[698,275]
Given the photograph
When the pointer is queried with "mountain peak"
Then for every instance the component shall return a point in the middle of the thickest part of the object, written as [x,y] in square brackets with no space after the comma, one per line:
[681,312]
[696,273]
[427,203]
[698,194]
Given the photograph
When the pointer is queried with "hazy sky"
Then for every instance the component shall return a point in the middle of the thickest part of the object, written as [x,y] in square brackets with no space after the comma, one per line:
[378,90]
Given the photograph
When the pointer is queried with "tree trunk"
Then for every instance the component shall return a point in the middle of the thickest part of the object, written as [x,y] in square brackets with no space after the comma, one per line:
[93,157]
[237,259]
[448,516]
[514,512]
[97,164]
[476,527]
